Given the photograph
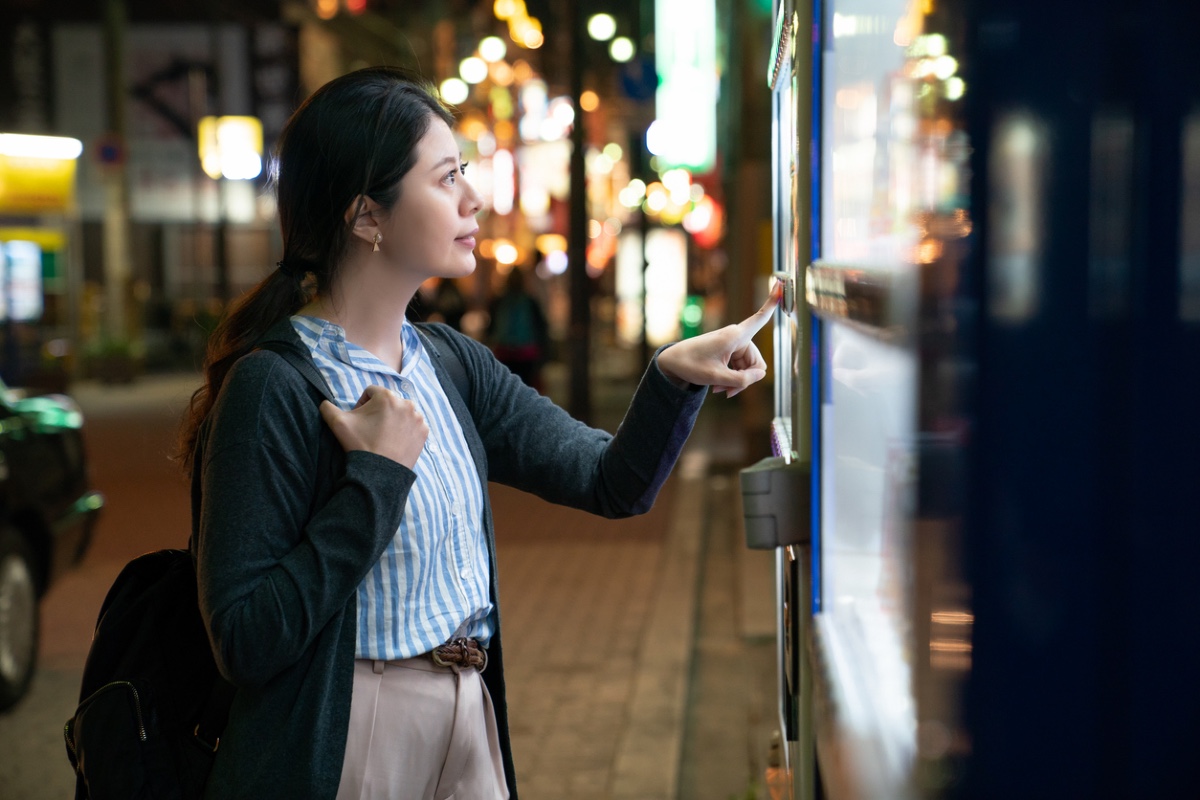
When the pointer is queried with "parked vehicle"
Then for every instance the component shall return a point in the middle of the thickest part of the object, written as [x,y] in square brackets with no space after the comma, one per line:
[47,514]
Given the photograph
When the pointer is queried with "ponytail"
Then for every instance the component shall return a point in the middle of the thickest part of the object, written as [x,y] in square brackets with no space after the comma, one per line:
[281,294]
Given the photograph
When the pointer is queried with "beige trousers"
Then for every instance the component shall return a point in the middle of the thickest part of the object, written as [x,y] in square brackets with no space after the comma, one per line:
[419,731]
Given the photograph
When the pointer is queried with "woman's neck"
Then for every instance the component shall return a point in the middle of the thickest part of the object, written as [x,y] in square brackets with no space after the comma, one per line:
[369,308]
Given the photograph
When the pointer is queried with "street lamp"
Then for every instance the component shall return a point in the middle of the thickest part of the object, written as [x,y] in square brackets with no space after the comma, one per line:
[231,148]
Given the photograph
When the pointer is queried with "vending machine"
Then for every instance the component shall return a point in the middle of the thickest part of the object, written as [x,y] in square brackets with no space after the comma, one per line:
[983,498]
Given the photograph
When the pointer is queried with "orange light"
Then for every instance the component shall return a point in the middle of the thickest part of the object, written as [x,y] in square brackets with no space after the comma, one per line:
[356,7]
[589,100]
[532,39]
[327,9]
[473,128]
[502,74]
[522,71]
[504,131]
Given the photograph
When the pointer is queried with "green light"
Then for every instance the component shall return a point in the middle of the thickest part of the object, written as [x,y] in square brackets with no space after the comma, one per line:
[691,317]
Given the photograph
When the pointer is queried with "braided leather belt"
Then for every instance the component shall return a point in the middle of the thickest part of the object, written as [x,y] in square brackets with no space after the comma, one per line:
[460,653]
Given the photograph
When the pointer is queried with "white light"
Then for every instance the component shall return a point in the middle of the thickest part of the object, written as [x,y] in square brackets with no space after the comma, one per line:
[699,218]
[551,131]
[556,262]
[932,44]
[506,253]
[473,70]
[601,27]
[677,181]
[504,183]
[955,87]
[655,136]
[562,111]
[945,66]
[613,151]
[621,49]
[493,48]
[241,165]
[535,201]
[631,196]
[599,163]
[19,145]
[454,91]
[685,54]
[486,144]
[656,201]
[230,147]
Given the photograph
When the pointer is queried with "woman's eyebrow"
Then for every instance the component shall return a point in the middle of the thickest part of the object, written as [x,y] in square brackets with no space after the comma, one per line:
[451,161]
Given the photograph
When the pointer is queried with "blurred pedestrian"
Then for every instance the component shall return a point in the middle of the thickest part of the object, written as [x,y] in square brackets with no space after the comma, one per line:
[449,305]
[355,611]
[517,331]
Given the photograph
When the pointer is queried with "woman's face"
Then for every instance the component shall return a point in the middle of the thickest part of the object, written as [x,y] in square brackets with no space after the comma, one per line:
[430,231]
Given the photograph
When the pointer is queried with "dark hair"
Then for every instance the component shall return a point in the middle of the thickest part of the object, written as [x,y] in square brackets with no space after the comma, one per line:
[354,137]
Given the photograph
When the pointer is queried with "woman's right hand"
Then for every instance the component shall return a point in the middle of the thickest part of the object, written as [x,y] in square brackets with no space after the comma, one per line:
[382,423]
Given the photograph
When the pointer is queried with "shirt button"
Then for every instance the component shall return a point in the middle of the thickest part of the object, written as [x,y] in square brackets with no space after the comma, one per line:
[466,573]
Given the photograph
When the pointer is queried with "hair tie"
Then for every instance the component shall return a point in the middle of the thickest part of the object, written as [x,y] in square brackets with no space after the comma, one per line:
[291,268]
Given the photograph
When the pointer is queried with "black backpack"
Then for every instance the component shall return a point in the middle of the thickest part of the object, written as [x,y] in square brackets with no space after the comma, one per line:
[152,703]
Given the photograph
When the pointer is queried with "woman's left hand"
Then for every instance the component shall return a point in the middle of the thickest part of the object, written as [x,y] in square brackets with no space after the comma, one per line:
[725,359]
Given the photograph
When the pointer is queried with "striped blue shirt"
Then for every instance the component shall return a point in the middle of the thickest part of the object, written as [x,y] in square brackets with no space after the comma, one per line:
[431,583]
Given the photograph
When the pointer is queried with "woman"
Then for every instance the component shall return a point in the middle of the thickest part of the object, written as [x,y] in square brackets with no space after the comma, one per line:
[344,550]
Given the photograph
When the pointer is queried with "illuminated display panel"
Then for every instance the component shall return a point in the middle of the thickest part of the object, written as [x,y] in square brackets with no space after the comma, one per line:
[871,188]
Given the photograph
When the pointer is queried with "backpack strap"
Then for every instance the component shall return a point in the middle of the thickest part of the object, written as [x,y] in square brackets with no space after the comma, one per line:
[452,363]
[303,365]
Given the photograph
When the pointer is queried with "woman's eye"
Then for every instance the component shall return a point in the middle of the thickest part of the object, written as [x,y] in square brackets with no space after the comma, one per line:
[462,168]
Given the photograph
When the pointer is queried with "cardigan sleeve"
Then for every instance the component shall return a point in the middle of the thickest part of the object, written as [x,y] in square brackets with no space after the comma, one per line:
[534,445]
[269,575]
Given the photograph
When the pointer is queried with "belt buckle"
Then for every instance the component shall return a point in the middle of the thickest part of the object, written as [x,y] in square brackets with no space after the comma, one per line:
[459,652]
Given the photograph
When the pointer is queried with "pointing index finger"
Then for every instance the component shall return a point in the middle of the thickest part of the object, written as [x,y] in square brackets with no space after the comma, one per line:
[758,320]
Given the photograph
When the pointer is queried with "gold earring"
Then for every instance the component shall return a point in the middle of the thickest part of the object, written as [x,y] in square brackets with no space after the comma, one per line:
[378,239]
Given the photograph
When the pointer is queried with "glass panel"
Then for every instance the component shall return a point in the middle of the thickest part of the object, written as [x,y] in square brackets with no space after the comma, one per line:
[1016,165]
[1189,223]
[875,181]
[1110,215]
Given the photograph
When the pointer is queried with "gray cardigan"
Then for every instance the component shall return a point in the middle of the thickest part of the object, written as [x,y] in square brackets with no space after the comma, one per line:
[281,549]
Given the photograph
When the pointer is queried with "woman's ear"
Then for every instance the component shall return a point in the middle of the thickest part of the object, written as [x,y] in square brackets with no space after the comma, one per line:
[363,217]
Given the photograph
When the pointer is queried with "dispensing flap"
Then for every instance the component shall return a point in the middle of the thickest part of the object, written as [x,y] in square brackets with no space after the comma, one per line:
[776,503]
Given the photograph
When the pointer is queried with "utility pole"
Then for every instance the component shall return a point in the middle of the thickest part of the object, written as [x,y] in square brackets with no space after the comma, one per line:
[116,188]
[221,231]
[579,401]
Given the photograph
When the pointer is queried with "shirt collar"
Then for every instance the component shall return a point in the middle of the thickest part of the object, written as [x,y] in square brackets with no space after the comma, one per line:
[330,338]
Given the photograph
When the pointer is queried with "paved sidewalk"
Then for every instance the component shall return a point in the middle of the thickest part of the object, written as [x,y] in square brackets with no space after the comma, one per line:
[607,641]
[598,618]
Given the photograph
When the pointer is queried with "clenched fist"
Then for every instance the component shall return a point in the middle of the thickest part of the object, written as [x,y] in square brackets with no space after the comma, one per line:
[381,422]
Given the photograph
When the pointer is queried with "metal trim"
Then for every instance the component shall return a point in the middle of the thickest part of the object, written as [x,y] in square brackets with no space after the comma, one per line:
[780,46]
[880,303]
